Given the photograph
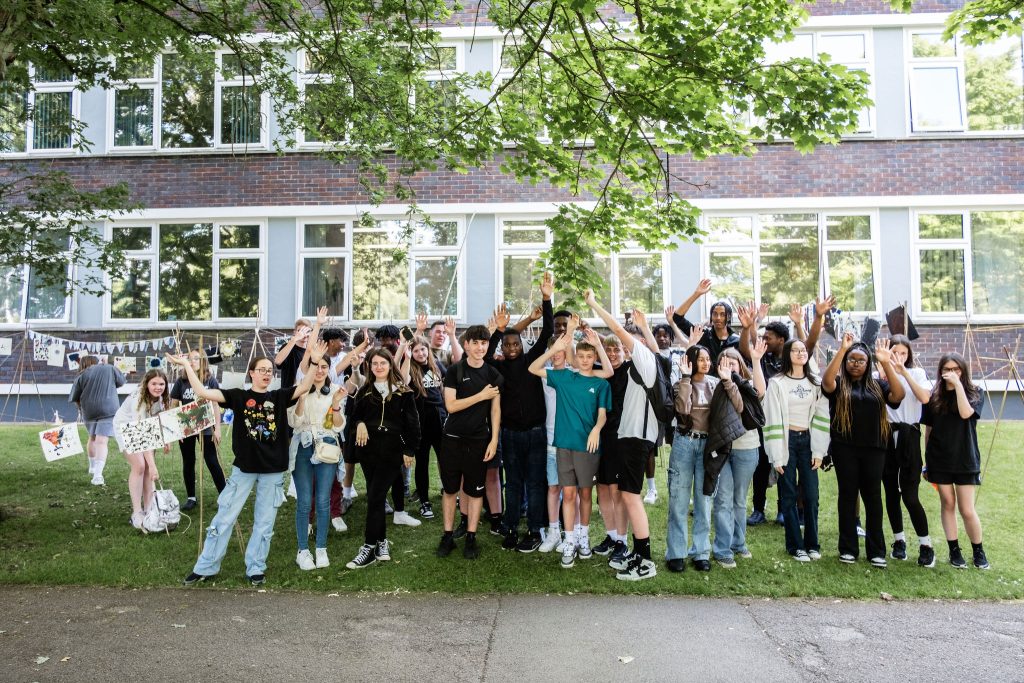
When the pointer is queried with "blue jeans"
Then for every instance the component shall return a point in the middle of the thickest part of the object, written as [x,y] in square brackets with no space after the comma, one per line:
[686,477]
[730,506]
[799,463]
[525,458]
[307,476]
[269,497]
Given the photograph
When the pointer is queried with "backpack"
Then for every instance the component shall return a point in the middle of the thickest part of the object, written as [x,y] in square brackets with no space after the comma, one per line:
[660,396]
[163,513]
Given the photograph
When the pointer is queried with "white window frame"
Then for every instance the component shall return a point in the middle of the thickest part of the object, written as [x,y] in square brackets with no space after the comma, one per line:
[963,244]
[502,74]
[304,78]
[29,125]
[526,250]
[957,62]
[64,321]
[441,75]
[303,252]
[153,256]
[825,247]
[219,83]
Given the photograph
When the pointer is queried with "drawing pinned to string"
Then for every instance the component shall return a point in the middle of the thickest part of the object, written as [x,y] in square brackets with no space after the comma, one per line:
[136,437]
[126,364]
[55,355]
[187,420]
[40,351]
[6,344]
[73,359]
[60,442]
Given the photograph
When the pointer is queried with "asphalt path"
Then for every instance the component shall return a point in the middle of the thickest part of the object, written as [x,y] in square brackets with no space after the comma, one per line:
[208,634]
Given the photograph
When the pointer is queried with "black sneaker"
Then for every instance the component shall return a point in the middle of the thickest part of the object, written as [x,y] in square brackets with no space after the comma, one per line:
[496,528]
[470,550]
[257,579]
[899,550]
[980,561]
[926,558]
[511,540]
[193,578]
[605,548]
[529,542]
[426,510]
[414,498]
[677,565]
[956,558]
[446,546]
[619,557]
[189,504]
[367,555]
[461,529]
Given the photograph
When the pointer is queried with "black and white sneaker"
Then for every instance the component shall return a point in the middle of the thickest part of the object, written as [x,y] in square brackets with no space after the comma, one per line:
[956,558]
[383,551]
[605,547]
[638,569]
[367,555]
[511,540]
[426,510]
[257,579]
[461,529]
[193,578]
[980,561]
[529,543]
[620,556]
[877,562]
[926,558]
[899,550]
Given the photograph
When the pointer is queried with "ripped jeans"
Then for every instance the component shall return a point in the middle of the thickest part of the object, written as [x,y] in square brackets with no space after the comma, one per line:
[269,497]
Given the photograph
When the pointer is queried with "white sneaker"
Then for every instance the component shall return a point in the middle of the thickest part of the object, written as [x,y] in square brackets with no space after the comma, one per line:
[305,560]
[651,498]
[568,555]
[638,569]
[97,480]
[814,554]
[801,556]
[339,524]
[405,519]
[583,550]
[321,558]
[551,541]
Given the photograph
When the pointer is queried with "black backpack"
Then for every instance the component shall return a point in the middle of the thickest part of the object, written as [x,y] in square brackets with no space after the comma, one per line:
[660,396]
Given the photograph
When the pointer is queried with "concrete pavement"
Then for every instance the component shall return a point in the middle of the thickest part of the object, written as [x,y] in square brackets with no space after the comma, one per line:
[203,634]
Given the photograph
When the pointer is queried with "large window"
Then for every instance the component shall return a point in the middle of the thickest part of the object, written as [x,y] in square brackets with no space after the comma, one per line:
[25,298]
[53,103]
[188,272]
[852,49]
[784,258]
[320,96]
[958,87]
[189,103]
[970,263]
[381,270]
[636,278]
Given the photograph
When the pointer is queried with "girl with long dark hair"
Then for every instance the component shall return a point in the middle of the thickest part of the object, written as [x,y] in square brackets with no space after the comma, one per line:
[860,435]
[796,438]
[387,433]
[951,453]
[425,377]
[181,392]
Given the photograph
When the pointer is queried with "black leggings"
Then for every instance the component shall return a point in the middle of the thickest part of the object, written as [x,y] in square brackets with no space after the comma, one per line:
[902,483]
[188,463]
[381,461]
[430,437]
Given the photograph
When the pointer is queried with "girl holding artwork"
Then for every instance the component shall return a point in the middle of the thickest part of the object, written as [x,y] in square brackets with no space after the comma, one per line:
[181,393]
[95,394]
[148,400]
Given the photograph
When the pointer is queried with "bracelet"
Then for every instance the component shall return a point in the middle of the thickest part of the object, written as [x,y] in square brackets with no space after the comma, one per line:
[335,410]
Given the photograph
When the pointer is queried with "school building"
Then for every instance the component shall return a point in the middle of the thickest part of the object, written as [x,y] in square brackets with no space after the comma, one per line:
[923,205]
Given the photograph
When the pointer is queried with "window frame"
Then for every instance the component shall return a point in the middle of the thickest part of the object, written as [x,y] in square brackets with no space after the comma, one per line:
[152,255]
[303,79]
[302,252]
[66,321]
[528,250]
[28,126]
[825,247]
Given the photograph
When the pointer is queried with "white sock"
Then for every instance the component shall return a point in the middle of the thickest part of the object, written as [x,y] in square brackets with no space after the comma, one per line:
[348,491]
[584,531]
[98,465]
[92,464]
[900,536]
[650,485]
[619,537]
[925,540]
[191,498]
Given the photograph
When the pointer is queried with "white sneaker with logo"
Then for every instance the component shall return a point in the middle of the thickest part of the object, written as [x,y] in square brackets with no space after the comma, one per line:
[321,558]
[339,524]
[405,519]
[551,541]
[305,560]
[651,498]
[638,569]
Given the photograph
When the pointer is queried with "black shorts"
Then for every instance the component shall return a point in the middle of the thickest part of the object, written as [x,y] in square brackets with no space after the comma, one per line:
[957,478]
[634,454]
[611,462]
[462,467]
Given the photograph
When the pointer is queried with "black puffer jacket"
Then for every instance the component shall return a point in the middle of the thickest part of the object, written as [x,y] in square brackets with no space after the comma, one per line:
[393,418]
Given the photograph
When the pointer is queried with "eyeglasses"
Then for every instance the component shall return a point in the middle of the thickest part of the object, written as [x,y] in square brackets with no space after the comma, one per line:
[264,371]
[799,352]
[856,361]
[955,368]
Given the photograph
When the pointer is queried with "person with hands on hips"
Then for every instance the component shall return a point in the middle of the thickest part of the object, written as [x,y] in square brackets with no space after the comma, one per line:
[796,438]
[860,432]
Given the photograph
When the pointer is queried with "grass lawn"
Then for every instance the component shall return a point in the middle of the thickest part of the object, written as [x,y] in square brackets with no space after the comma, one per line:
[55,528]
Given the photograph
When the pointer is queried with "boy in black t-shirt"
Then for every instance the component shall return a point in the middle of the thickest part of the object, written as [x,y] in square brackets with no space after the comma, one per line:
[259,439]
[470,440]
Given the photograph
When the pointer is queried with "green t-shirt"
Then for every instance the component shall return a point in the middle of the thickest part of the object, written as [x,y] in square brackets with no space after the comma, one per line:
[577,399]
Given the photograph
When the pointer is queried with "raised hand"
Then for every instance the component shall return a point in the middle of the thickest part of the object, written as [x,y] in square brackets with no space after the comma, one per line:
[639,318]
[318,351]
[572,325]
[421,323]
[695,335]
[321,316]
[823,306]
[181,360]
[588,297]
[703,287]
[745,314]
[847,340]
[340,394]
[560,343]
[547,286]
[536,314]
[685,366]
[882,352]
[762,312]
[501,316]
[758,350]
[724,372]
[670,311]
[591,337]
[449,326]
[492,324]
[796,314]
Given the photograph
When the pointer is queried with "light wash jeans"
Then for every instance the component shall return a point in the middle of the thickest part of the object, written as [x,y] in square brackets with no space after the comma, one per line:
[269,497]
[730,505]
[312,482]
[686,477]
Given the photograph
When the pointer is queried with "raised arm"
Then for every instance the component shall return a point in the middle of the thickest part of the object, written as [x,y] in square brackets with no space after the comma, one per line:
[613,325]
[321,318]
[315,352]
[594,339]
[821,307]
[796,315]
[547,314]
[756,354]
[678,338]
[884,358]
[537,366]
[748,328]
[703,287]
[453,339]
[501,319]
[640,320]
[920,392]
[200,389]
[828,380]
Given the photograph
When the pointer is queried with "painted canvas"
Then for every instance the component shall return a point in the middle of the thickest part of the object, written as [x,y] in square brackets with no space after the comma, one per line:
[187,420]
[55,355]
[126,364]
[40,351]
[6,344]
[61,441]
[136,437]
[73,359]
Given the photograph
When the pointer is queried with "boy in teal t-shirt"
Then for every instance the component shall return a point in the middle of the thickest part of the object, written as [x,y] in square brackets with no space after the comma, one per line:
[582,401]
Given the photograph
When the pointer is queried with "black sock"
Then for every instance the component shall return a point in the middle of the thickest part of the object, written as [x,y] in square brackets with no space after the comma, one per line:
[447,536]
[977,548]
[470,535]
[642,547]
[954,545]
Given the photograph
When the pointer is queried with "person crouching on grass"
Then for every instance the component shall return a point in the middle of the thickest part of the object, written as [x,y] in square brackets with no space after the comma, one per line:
[582,403]
[259,439]
[387,433]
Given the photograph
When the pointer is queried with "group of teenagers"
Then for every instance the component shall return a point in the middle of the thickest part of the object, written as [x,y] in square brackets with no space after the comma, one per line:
[531,432]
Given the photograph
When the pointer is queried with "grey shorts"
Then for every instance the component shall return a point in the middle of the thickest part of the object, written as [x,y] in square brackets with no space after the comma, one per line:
[100,427]
[577,468]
